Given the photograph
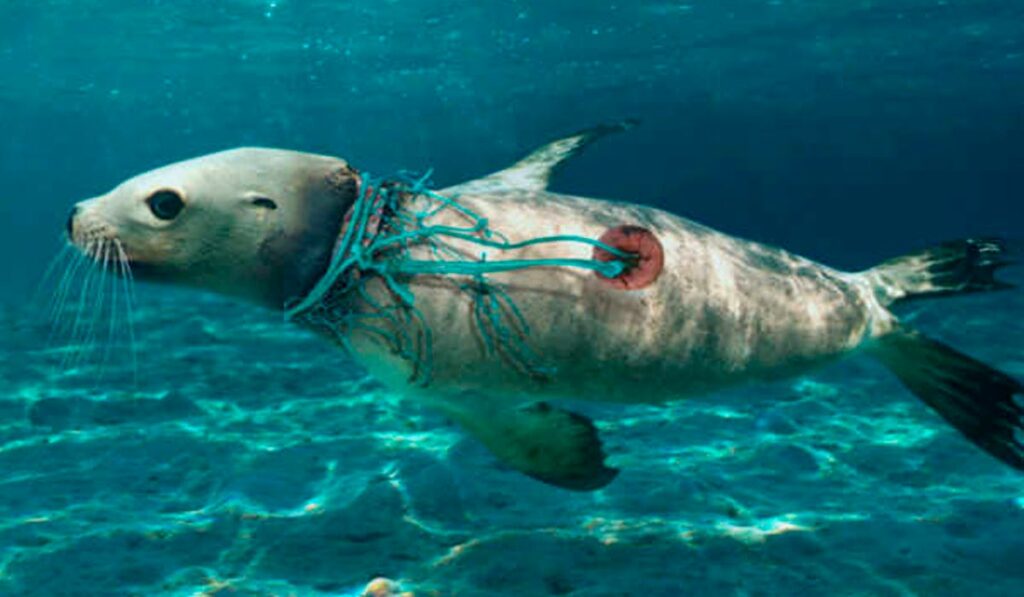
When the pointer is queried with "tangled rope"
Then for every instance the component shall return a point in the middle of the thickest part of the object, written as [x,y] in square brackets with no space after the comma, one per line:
[378,235]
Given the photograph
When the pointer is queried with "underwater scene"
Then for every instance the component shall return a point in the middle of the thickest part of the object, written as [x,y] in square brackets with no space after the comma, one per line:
[505,326]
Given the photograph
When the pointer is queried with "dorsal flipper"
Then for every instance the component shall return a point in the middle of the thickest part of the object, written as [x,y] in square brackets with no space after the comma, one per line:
[533,173]
[550,444]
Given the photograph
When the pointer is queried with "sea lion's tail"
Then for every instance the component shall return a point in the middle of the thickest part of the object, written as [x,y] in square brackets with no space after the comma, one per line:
[984,404]
[956,267]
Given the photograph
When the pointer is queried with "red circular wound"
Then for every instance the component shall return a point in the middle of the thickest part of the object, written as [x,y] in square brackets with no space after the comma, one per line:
[641,242]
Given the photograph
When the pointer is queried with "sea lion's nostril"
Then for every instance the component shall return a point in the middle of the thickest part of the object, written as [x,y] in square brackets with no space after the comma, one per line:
[71,222]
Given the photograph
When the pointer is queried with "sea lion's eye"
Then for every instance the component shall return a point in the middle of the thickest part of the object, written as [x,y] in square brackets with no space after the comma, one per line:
[264,202]
[165,204]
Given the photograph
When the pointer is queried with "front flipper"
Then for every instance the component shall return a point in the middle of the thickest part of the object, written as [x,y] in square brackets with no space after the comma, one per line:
[552,445]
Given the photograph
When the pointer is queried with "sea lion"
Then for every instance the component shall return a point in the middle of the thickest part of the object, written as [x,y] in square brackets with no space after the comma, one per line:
[491,298]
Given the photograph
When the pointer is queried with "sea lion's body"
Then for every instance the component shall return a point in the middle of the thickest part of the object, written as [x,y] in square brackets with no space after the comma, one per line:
[687,311]
[725,310]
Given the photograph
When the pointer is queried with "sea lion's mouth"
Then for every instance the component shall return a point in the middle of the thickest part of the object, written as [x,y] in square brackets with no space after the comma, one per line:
[110,254]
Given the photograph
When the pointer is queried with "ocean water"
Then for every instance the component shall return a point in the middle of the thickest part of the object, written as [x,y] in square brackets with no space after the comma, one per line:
[215,450]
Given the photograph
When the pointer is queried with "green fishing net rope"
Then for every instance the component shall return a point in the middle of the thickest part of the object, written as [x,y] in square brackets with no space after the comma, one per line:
[375,244]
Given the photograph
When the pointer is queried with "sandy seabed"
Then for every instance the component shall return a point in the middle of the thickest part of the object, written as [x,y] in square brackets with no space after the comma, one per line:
[235,455]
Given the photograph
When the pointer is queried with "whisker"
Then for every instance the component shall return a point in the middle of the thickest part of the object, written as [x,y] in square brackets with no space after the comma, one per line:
[60,297]
[96,311]
[75,338]
[70,262]
[114,305]
[81,265]
[45,282]
[129,295]
[57,314]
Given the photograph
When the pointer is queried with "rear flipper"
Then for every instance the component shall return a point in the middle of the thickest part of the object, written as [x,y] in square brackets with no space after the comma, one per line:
[555,446]
[956,267]
[984,404]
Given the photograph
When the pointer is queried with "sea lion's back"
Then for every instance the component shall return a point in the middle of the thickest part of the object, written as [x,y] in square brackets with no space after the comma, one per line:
[719,310]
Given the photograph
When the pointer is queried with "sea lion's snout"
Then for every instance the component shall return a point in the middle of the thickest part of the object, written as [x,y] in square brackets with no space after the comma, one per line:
[71,223]
[87,228]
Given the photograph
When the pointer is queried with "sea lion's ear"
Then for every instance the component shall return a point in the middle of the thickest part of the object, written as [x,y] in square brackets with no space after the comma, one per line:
[550,444]
[533,173]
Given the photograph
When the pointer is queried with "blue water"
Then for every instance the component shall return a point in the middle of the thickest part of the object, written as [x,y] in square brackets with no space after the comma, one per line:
[231,454]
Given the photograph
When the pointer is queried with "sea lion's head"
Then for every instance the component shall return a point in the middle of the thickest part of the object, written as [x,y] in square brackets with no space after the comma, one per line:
[255,223]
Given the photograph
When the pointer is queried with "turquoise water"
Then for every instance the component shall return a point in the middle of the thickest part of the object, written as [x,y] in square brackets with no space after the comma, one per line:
[228,453]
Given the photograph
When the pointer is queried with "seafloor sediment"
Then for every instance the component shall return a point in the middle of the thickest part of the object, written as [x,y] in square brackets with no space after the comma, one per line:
[234,455]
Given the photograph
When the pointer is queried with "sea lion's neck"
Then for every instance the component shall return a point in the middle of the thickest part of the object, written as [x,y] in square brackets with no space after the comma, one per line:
[359,237]
[311,250]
